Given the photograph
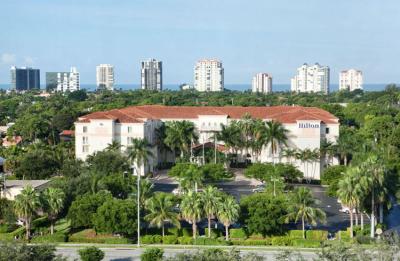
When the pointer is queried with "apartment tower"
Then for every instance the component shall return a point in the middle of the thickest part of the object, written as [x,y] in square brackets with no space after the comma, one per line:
[151,75]
[311,78]
[262,83]
[209,75]
[351,80]
[105,77]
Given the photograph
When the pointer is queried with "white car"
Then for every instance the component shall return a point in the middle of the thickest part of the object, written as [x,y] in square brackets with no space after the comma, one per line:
[177,192]
[346,210]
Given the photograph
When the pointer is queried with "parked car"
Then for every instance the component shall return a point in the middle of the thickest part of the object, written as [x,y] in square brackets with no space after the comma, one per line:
[345,209]
[259,188]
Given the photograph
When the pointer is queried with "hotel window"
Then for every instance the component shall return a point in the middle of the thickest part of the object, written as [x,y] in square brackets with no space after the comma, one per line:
[85,140]
[84,129]
[129,129]
[129,141]
[326,130]
[85,148]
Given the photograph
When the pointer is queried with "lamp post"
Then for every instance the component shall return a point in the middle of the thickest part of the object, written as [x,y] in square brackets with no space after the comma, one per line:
[274,180]
[138,203]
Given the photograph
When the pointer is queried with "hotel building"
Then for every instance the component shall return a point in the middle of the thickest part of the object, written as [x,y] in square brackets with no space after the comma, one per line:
[105,77]
[308,127]
[63,81]
[311,78]
[209,76]
[151,75]
[262,83]
[351,80]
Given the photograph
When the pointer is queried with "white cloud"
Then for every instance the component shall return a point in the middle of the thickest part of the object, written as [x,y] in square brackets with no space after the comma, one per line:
[7,58]
[29,60]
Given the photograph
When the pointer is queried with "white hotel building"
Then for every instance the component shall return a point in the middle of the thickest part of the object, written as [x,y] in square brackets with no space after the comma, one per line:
[105,77]
[311,79]
[262,83]
[351,80]
[209,76]
[307,126]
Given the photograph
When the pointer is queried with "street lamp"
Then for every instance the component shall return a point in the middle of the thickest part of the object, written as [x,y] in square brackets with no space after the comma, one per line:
[138,203]
[274,180]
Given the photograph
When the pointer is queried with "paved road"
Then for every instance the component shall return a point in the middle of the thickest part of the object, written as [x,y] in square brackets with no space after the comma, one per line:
[129,254]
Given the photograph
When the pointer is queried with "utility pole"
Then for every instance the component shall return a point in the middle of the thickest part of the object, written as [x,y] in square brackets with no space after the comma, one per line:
[215,148]
[204,159]
[138,203]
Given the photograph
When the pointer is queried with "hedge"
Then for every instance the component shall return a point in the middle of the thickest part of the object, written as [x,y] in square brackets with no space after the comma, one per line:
[237,233]
[252,242]
[83,237]
[306,243]
[210,241]
[186,232]
[170,240]
[214,233]
[320,235]
[344,236]
[6,237]
[296,233]
[174,231]
[151,239]
[281,241]
[185,240]
[55,238]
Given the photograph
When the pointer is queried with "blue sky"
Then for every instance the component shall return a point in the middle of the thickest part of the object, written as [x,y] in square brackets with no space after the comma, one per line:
[248,36]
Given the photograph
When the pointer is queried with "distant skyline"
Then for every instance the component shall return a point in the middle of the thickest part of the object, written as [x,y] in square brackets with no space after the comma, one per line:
[247,36]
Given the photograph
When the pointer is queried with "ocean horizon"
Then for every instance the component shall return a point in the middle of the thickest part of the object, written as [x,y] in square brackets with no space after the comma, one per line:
[234,87]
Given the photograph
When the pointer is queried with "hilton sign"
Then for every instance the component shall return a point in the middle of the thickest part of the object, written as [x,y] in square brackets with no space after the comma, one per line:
[308,125]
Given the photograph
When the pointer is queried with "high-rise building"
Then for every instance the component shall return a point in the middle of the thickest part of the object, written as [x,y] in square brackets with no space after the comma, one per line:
[311,78]
[350,80]
[63,81]
[151,75]
[105,77]
[209,75]
[24,78]
[262,83]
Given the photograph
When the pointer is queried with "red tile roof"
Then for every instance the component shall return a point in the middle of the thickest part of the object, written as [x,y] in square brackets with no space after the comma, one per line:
[284,114]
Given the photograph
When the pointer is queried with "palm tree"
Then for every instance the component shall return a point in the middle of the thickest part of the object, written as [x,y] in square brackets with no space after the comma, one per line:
[192,178]
[347,192]
[179,135]
[302,208]
[145,190]
[191,209]
[26,204]
[228,213]
[289,154]
[159,140]
[211,201]
[114,146]
[161,208]
[231,136]
[259,132]
[53,201]
[139,152]
[276,136]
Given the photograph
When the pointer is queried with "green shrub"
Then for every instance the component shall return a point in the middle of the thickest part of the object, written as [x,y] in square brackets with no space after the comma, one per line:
[174,231]
[214,233]
[91,254]
[256,242]
[320,235]
[55,238]
[210,241]
[6,237]
[237,233]
[361,239]
[296,233]
[86,236]
[343,236]
[20,232]
[151,239]
[3,228]
[256,236]
[185,240]
[306,243]
[170,240]
[152,254]
[117,240]
[186,232]
[281,241]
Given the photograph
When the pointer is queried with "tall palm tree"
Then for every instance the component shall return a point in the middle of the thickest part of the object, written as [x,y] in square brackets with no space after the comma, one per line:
[145,190]
[347,192]
[302,208]
[139,152]
[289,154]
[228,213]
[191,209]
[159,140]
[179,135]
[192,178]
[276,136]
[211,201]
[161,208]
[26,204]
[231,136]
[53,202]
[259,131]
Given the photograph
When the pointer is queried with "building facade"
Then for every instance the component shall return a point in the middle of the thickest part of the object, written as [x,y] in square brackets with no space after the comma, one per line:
[63,81]
[308,128]
[151,75]
[262,83]
[24,78]
[351,80]
[311,79]
[105,77]
[209,76]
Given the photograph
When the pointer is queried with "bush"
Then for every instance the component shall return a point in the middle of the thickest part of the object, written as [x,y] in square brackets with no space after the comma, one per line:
[170,240]
[281,241]
[306,243]
[343,236]
[238,233]
[89,236]
[256,242]
[320,235]
[91,254]
[6,237]
[210,241]
[152,254]
[185,240]
[296,233]
[361,239]
[214,233]
[186,232]
[3,228]
[55,238]
[174,231]
[151,239]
